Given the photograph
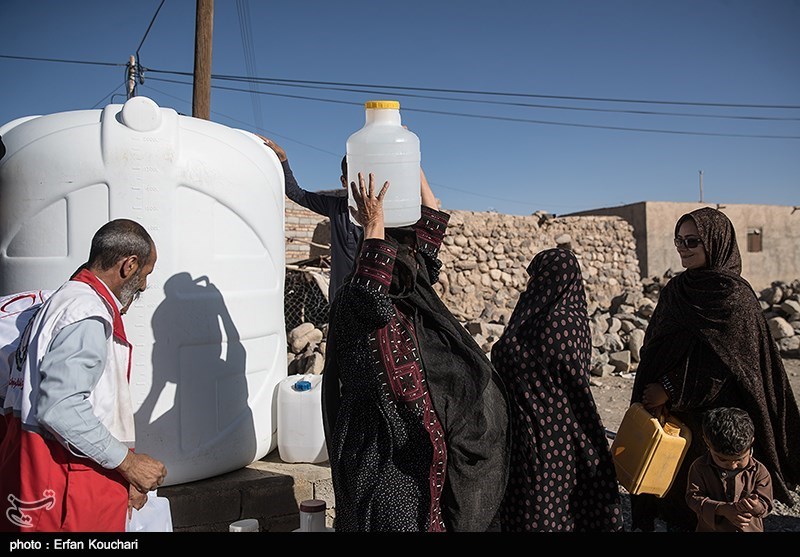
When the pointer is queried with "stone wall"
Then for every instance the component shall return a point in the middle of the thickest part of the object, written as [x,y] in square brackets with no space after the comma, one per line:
[484,260]
[485,256]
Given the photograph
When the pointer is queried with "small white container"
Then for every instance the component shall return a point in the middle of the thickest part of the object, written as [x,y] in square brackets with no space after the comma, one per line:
[244,525]
[392,153]
[312,516]
[301,435]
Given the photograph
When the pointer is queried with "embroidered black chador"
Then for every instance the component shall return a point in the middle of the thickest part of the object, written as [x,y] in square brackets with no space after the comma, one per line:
[416,417]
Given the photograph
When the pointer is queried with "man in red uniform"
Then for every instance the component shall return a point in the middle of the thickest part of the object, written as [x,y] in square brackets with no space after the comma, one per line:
[66,461]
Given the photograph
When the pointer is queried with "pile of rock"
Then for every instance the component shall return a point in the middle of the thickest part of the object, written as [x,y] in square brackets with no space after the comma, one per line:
[306,352]
[618,332]
[781,305]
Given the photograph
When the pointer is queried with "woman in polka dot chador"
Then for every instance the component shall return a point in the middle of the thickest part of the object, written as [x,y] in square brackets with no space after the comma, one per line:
[562,476]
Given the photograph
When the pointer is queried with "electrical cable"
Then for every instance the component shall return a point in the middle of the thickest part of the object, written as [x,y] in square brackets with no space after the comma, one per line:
[263,131]
[153,20]
[512,119]
[107,95]
[531,105]
[139,77]
[242,9]
[432,89]
[59,60]
[505,94]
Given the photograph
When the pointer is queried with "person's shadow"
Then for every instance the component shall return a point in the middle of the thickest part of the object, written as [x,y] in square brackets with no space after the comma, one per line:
[196,416]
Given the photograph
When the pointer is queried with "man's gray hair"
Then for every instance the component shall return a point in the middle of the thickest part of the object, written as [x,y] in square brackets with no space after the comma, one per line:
[118,239]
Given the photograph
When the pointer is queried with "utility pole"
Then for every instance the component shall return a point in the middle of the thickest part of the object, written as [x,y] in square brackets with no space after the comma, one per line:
[131,76]
[701,186]
[204,26]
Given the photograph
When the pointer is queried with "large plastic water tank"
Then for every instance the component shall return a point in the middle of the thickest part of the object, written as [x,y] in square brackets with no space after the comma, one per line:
[209,334]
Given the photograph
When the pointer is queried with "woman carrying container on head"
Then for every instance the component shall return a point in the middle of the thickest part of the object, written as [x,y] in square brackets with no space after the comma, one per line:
[417,435]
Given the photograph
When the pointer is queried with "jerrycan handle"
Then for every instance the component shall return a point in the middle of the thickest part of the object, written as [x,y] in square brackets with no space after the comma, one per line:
[670,427]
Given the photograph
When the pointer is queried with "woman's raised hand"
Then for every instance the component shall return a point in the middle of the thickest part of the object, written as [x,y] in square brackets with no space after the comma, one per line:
[368,211]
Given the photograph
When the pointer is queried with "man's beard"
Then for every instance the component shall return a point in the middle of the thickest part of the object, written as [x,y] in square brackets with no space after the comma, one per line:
[131,290]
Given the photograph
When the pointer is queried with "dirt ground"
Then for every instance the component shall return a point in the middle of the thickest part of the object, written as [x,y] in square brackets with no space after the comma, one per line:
[612,396]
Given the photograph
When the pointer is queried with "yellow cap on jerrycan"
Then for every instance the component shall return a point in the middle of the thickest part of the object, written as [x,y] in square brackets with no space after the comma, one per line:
[382,104]
[386,149]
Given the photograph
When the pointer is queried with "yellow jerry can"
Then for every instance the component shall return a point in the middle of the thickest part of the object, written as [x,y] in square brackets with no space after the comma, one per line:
[648,451]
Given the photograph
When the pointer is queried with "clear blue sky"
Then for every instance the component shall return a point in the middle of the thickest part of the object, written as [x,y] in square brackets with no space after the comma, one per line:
[491,152]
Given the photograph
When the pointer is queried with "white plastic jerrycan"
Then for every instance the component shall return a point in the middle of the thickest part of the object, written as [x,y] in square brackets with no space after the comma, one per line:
[301,435]
[392,153]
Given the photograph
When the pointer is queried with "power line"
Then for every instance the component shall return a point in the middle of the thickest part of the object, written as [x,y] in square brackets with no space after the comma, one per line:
[108,95]
[60,60]
[339,86]
[434,183]
[247,124]
[528,105]
[276,134]
[493,198]
[508,118]
[243,11]
[277,81]
[603,127]
[504,94]
[234,78]
[139,69]
[138,48]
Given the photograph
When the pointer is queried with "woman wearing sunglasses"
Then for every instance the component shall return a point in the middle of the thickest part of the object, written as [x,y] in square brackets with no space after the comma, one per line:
[707,346]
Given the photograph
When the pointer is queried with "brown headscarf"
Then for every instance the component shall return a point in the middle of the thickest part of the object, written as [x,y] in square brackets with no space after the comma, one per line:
[715,309]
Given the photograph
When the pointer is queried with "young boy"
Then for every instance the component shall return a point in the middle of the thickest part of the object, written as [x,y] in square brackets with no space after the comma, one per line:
[728,489]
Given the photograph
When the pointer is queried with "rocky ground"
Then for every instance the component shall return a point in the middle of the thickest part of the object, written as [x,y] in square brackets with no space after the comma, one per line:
[612,396]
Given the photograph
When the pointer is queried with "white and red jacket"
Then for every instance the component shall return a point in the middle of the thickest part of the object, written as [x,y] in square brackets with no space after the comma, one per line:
[85,296]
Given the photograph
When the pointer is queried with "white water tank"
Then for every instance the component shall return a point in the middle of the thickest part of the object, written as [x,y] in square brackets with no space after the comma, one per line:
[209,334]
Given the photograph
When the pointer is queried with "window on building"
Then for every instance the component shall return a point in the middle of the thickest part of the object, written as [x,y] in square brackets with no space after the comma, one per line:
[754,239]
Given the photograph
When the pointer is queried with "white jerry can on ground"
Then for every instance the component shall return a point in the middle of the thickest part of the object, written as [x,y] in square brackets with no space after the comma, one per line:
[209,335]
[301,434]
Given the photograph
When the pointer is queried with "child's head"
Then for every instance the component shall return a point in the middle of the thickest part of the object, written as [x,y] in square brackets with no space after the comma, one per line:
[729,434]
